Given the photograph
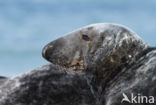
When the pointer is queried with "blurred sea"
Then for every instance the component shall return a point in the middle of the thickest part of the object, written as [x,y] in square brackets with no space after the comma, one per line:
[27,25]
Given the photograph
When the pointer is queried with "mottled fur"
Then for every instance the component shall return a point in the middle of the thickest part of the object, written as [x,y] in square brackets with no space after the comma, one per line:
[47,85]
[110,60]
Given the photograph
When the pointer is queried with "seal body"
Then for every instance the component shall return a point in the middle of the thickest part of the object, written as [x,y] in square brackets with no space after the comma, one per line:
[47,85]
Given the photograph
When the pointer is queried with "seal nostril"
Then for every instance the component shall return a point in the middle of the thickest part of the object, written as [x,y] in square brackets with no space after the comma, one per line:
[47,52]
[44,52]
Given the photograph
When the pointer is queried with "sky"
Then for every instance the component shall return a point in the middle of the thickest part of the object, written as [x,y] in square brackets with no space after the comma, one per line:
[26,26]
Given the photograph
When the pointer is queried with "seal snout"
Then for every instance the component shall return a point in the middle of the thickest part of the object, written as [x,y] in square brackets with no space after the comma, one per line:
[52,51]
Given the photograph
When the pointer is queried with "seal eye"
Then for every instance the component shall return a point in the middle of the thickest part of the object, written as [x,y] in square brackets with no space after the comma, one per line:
[85,37]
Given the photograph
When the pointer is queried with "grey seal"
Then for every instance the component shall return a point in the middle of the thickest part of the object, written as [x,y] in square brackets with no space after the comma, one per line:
[112,56]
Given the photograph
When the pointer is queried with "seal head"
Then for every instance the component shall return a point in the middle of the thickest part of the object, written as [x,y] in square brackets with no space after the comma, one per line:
[98,45]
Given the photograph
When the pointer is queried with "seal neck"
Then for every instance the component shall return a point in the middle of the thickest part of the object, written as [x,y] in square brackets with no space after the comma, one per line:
[98,83]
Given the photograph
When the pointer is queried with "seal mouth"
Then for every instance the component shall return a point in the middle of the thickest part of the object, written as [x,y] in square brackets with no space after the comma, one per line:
[74,65]
[77,65]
